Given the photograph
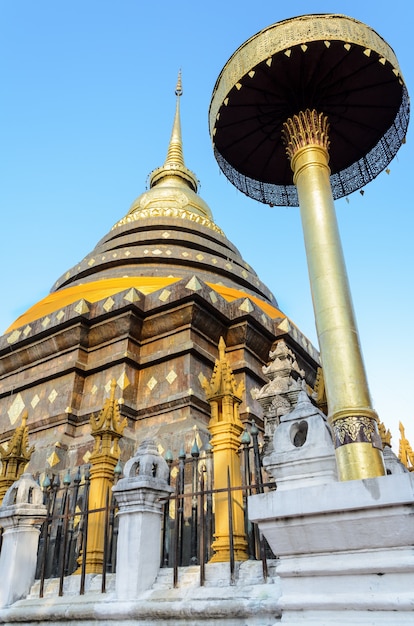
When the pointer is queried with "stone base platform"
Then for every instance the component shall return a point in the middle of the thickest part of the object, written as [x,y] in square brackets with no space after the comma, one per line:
[346,554]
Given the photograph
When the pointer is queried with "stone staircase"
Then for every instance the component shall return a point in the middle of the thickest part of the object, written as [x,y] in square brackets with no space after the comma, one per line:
[249,601]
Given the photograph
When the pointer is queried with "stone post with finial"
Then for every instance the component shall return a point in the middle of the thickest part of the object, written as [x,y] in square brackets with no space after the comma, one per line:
[140,495]
[21,515]
[225,426]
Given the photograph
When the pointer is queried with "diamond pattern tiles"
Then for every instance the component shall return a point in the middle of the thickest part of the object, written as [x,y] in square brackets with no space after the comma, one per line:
[53,459]
[34,401]
[45,321]
[123,381]
[201,378]
[16,408]
[171,376]
[108,304]
[288,326]
[86,456]
[246,306]
[14,336]
[217,294]
[132,296]
[193,284]
[164,295]
[82,307]
[52,396]
[152,383]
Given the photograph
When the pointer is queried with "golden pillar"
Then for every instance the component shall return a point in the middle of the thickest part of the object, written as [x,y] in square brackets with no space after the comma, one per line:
[107,429]
[354,422]
[15,456]
[225,426]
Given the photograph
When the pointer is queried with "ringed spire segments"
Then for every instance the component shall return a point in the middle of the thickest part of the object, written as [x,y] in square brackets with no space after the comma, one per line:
[174,162]
[179,87]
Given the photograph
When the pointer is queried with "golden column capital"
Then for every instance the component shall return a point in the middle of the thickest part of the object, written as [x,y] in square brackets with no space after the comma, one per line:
[308,128]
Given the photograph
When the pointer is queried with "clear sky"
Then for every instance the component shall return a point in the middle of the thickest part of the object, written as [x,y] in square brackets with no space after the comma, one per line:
[87,103]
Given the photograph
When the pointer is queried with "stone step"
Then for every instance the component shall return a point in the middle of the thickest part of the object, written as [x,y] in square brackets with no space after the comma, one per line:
[216,575]
[71,585]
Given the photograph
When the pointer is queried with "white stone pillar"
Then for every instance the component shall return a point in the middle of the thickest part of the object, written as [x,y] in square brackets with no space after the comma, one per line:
[21,514]
[140,496]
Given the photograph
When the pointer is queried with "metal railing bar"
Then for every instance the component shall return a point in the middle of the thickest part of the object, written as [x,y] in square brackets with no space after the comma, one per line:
[231,538]
[65,543]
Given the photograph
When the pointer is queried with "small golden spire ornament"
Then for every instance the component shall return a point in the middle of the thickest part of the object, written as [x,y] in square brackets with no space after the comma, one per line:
[107,429]
[225,426]
[405,453]
[15,456]
[385,434]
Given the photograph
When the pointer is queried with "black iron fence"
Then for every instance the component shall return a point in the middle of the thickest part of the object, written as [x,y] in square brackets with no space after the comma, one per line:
[64,534]
[188,518]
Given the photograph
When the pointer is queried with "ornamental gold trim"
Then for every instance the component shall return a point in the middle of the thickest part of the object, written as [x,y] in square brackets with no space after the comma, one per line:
[356,429]
[174,212]
[283,36]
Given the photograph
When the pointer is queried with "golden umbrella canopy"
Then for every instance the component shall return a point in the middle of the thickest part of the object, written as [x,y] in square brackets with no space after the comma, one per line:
[331,63]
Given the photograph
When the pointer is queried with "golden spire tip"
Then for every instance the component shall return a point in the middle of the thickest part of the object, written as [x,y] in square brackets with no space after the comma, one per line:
[179,86]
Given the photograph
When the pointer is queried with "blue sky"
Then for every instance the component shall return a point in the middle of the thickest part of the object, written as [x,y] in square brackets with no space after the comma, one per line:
[87,102]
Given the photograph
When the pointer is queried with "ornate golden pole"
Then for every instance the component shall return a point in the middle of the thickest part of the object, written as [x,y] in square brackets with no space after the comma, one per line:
[226,428]
[354,422]
[107,430]
[15,457]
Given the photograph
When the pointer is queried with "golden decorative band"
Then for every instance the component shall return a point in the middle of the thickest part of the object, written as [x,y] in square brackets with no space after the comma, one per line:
[281,37]
[306,128]
[168,212]
[356,429]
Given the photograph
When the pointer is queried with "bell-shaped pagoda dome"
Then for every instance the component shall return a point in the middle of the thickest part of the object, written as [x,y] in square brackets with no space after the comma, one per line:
[168,234]
[146,308]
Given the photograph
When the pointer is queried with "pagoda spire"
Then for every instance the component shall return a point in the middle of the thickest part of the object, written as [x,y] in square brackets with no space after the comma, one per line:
[175,155]
[174,165]
[172,187]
